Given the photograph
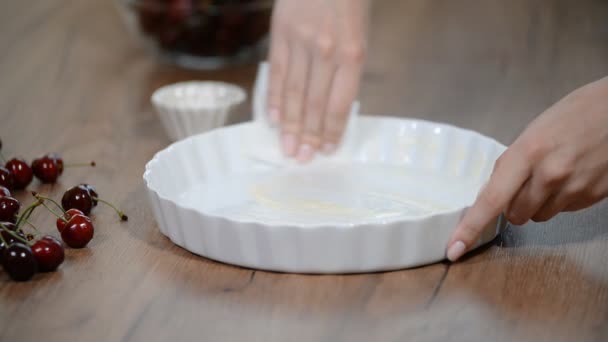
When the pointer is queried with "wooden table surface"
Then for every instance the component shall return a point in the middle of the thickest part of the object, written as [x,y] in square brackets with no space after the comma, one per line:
[72,80]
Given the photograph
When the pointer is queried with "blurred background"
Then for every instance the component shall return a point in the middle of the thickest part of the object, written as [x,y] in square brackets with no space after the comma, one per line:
[447,61]
[200,34]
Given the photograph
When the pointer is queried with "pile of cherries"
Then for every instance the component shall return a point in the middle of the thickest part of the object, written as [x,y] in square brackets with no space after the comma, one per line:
[23,254]
[203,27]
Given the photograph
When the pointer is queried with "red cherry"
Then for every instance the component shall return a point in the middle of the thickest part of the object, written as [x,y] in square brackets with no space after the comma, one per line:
[84,197]
[6,236]
[22,172]
[78,231]
[49,253]
[61,223]
[7,179]
[9,208]
[58,161]
[19,262]
[9,238]
[8,225]
[4,192]
[50,166]
[45,169]
[179,10]
[77,197]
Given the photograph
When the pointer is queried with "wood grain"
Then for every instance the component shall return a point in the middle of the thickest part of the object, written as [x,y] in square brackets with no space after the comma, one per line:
[74,81]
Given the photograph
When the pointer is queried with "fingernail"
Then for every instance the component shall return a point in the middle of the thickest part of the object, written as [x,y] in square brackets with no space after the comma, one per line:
[289,144]
[328,148]
[456,250]
[273,115]
[305,153]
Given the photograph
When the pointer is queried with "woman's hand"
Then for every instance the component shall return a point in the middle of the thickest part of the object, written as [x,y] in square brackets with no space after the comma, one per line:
[316,55]
[559,163]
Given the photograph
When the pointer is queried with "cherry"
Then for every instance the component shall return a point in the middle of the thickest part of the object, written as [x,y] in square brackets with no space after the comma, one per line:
[62,222]
[9,207]
[4,192]
[179,10]
[19,262]
[78,231]
[45,169]
[22,172]
[50,166]
[7,237]
[11,238]
[82,198]
[49,253]
[8,225]
[58,161]
[77,197]
[6,178]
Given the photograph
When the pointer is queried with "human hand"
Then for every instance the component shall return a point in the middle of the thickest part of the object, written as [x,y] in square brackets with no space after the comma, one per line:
[316,56]
[559,163]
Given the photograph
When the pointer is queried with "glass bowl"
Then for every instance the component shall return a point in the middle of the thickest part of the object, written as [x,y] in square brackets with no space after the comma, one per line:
[200,34]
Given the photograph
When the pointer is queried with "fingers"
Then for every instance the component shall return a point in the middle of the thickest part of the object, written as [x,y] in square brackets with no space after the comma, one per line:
[528,200]
[292,99]
[575,195]
[343,92]
[550,208]
[279,57]
[553,188]
[596,192]
[322,72]
[350,57]
[510,173]
[316,54]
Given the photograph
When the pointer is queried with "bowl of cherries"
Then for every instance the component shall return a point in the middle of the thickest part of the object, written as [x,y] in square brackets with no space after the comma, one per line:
[26,250]
[200,34]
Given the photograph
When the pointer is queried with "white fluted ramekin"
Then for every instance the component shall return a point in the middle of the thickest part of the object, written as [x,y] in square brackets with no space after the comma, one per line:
[193,107]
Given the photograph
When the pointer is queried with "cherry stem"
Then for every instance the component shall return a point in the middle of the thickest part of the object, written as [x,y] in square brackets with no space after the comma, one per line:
[120,213]
[43,198]
[28,212]
[32,225]
[2,157]
[15,235]
[91,164]
[2,237]
[54,213]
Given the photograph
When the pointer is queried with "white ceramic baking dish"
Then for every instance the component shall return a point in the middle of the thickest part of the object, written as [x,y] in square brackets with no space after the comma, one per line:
[389,199]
